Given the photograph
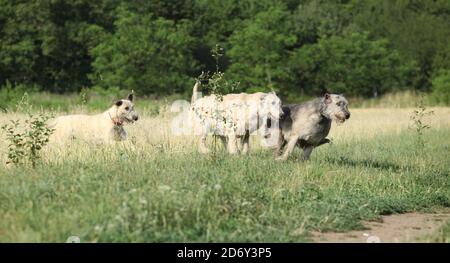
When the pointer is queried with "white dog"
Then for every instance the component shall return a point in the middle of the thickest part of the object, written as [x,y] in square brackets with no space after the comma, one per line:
[233,117]
[103,127]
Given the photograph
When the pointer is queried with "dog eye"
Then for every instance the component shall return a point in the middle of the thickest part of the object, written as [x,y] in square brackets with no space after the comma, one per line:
[127,108]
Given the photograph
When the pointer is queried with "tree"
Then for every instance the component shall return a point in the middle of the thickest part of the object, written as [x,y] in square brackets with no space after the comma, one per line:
[418,29]
[216,20]
[172,10]
[19,52]
[260,49]
[350,64]
[441,87]
[157,46]
[319,18]
[147,54]
[46,43]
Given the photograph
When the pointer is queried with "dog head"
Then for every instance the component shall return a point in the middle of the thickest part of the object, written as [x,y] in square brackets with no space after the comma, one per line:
[270,114]
[271,106]
[124,111]
[335,107]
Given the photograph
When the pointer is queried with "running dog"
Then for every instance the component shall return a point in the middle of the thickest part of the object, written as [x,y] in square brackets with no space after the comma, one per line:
[307,125]
[233,117]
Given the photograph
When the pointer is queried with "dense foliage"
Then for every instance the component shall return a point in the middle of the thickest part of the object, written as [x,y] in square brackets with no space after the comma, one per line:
[361,48]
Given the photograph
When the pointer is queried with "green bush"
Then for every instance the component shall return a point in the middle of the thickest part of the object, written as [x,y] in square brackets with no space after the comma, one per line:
[146,54]
[441,88]
[157,47]
[260,50]
[11,95]
[26,139]
[351,64]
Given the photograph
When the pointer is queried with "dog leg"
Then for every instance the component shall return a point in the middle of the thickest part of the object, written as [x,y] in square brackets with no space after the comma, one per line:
[223,139]
[323,141]
[202,148]
[245,141]
[289,148]
[232,144]
[307,153]
[239,143]
[280,145]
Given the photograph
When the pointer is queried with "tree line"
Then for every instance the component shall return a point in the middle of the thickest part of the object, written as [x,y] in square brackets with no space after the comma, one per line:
[360,48]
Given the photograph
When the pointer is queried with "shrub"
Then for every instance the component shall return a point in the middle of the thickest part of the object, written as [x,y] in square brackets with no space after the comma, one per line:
[11,94]
[351,64]
[27,138]
[260,49]
[441,87]
[419,124]
[146,54]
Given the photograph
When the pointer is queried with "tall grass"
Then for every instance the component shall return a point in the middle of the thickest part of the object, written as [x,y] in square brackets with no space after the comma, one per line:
[92,101]
[402,99]
[158,188]
[95,100]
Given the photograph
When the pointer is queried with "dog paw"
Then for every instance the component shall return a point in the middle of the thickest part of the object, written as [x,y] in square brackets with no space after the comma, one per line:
[204,151]
[280,158]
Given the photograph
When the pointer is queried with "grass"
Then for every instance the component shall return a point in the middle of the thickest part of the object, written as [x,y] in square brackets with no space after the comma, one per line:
[443,236]
[94,100]
[159,189]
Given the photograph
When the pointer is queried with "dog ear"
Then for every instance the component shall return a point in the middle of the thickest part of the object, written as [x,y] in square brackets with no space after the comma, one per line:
[322,92]
[118,103]
[327,98]
[130,97]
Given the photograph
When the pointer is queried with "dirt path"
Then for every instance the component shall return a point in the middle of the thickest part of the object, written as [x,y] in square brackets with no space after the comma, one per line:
[409,227]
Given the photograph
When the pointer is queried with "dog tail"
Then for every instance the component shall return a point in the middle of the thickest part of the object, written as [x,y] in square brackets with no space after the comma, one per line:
[195,92]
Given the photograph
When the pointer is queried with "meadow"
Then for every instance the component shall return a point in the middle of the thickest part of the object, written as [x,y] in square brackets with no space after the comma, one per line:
[157,188]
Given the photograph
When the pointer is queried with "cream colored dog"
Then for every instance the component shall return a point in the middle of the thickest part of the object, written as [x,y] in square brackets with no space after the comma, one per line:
[104,127]
[233,117]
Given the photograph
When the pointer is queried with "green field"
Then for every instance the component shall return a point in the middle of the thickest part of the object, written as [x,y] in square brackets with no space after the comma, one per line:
[157,188]
[389,58]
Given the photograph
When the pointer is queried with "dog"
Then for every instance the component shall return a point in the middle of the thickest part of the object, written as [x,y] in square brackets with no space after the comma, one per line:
[233,117]
[307,125]
[104,127]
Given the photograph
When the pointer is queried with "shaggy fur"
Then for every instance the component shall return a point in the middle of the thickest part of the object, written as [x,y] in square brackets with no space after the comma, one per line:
[307,125]
[104,127]
[233,117]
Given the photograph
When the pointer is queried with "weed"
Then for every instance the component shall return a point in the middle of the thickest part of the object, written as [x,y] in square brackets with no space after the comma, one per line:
[418,123]
[27,138]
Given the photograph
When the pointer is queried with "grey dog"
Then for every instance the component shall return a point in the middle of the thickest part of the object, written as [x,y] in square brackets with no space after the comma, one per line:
[308,124]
